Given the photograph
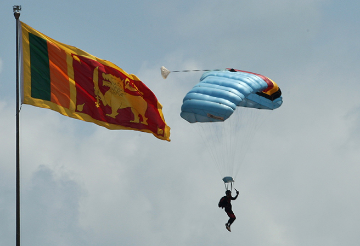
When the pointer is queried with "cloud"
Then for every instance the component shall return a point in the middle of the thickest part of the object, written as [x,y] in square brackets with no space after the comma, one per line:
[135,182]
[53,205]
[85,185]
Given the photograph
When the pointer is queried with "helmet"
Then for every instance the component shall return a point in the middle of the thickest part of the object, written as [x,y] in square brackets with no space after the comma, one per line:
[228,192]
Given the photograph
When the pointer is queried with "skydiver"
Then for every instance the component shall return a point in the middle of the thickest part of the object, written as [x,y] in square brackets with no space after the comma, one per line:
[225,202]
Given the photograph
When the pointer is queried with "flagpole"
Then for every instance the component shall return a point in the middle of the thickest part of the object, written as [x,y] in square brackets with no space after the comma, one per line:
[16,9]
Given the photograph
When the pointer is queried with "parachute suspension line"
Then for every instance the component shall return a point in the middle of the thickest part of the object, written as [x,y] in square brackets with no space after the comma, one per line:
[216,144]
[232,143]
[227,186]
[165,72]
[228,181]
[211,143]
[245,123]
[194,70]
[251,122]
[242,140]
[228,143]
[238,140]
[218,133]
[234,139]
[201,129]
[223,133]
[228,132]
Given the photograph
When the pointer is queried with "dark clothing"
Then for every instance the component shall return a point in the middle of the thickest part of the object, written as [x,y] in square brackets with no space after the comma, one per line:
[225,202]
[231,215]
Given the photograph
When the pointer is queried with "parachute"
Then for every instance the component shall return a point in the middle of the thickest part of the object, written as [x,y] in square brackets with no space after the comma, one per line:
[217,98]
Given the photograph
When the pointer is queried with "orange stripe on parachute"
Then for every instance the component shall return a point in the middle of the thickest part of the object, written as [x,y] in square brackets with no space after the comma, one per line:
[272,86]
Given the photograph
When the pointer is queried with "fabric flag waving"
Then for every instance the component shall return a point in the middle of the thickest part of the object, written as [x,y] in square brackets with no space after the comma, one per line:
[79,85]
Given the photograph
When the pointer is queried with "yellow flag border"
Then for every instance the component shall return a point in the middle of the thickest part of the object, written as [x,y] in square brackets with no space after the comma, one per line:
[26,84]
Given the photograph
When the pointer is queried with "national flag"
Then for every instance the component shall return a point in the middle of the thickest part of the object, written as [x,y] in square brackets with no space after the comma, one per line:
[79,85]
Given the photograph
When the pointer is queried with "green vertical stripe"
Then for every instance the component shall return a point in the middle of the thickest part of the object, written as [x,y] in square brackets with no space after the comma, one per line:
[40,72]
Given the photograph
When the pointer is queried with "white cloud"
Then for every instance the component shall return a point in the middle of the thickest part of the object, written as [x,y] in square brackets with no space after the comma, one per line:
[54,203]
[85,185]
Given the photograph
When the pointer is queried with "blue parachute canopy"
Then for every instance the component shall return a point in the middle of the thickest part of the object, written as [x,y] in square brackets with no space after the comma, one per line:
[218,94]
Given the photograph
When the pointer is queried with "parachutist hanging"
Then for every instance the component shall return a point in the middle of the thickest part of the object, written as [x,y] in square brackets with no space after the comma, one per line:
[213,103]
[225,202]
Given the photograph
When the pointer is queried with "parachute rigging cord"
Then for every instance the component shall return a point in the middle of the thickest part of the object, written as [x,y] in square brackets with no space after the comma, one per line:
[229,143]
[228,181]
[165,72]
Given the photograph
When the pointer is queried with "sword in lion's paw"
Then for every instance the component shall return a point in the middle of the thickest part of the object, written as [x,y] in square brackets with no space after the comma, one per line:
[96,86]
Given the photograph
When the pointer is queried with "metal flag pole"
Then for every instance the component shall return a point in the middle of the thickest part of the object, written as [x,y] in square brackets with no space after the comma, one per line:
[16,9]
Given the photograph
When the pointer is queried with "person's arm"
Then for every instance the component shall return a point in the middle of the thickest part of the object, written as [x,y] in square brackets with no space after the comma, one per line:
[237,194]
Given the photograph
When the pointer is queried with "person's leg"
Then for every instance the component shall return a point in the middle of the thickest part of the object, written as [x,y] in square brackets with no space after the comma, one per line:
[231,220]
[232,217]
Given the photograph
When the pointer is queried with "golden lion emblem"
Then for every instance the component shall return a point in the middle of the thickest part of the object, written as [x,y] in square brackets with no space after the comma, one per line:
[117,98]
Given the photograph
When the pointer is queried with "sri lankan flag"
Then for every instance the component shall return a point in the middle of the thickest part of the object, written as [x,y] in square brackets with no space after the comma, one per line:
[79,85]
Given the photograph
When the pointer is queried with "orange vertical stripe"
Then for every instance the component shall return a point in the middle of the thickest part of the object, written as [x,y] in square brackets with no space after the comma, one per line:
[60,87]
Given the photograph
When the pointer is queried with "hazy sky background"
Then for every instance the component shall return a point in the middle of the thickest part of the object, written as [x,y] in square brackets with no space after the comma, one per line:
[82,184]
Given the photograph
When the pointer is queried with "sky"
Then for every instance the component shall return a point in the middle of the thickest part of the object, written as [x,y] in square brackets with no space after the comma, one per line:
[82,184]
